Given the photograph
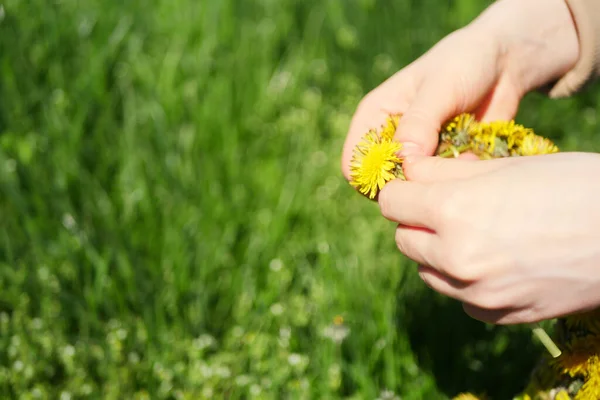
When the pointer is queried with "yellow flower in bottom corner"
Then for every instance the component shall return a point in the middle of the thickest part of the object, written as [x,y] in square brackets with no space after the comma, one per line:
[466,396]
[374,163]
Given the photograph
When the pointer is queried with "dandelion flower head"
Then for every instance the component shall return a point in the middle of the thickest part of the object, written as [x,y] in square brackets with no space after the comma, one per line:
[374,162]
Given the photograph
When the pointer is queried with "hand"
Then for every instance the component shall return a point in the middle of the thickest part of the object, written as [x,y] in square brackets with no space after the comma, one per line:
[485,68]
[516,240]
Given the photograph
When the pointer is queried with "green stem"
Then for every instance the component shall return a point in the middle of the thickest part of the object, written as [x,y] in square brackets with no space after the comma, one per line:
[546,340]
[453,150]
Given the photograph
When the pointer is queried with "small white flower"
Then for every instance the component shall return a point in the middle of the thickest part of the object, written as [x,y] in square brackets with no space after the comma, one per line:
[285,333]
[121,334]
[237,331]
[206,371]
[69,351]
[277,309]
[276,265]
[255,390]
[204,341]
[36,323]
[68,221]
[294,359]
[336,333]
[223,372]
[388,395]
[242,380]
[18,365]
[133,357]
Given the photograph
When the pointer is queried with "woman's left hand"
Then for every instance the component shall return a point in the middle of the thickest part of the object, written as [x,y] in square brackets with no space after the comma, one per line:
[516,240]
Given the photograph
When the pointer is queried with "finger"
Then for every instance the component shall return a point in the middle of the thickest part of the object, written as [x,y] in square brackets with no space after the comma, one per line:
[409,203]
[502,103]
[419,127]
[443,283]
[418,244]
[481,290]
[437,169]
[437,100]
[391,97]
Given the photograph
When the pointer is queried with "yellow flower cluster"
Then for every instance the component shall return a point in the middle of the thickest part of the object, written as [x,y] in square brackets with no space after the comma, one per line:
[376,161]
[492,139]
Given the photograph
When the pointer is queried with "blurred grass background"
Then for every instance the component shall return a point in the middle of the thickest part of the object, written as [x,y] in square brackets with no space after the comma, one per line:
[174,224]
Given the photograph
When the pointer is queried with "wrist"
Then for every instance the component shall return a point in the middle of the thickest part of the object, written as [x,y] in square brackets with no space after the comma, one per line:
[537,39]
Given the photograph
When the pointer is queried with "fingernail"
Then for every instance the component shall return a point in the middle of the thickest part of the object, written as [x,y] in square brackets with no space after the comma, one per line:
[410,148]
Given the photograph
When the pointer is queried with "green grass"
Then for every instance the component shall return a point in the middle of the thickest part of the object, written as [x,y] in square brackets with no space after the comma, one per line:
[174,224]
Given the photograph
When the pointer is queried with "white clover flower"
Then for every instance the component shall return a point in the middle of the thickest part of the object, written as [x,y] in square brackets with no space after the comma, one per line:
[285,333]
[223,371]
[388,395]
[255,389]
[18,366]
[242,380]
[294,359]
[204,341]
[69,351]
[337,333]
[276,309]
[206,371]
[276,265]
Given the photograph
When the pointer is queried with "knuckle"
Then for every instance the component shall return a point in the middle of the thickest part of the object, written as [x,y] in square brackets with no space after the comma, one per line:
[404,244]
[385,199]
[451,207]
[461,264]
[400,239]
[457,266]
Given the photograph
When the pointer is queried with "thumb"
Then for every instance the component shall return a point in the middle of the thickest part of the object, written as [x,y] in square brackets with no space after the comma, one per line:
[419,127]
[436,169]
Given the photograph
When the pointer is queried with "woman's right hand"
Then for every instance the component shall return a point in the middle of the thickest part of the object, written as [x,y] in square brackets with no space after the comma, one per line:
[513,47]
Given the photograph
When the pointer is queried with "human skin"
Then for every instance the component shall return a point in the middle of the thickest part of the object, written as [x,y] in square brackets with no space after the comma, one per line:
[515,240]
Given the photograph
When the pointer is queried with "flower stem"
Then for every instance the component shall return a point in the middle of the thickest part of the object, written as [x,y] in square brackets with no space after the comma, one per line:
[454,151]
[541,334]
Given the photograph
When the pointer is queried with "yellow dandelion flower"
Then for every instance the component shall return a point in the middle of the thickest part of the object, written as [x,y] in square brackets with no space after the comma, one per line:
[460,125]
[532,145]
[562,395]
[338,320]
[591,387]
[573,364]
[389,129]
[373,164]
[498,138]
